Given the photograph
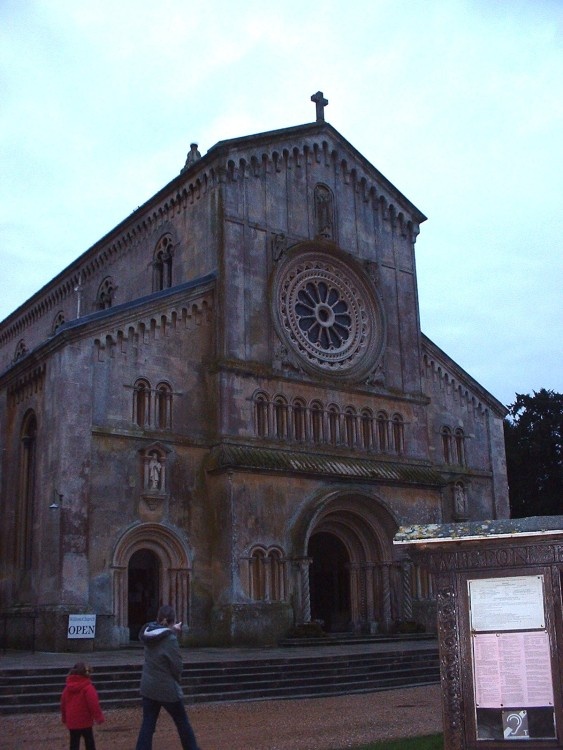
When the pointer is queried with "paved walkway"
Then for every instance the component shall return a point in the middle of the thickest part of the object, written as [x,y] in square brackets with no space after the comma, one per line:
[134,655]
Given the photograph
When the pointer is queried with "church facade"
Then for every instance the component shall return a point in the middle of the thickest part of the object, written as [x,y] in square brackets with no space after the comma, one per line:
[227,404]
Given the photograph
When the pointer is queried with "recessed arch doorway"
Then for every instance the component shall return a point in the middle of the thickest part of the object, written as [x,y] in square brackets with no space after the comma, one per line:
[151,566]
[143,590]
[329,581]
[349,578]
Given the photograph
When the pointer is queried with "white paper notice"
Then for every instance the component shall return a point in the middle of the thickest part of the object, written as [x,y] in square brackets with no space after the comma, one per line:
[512,603]
[512,669]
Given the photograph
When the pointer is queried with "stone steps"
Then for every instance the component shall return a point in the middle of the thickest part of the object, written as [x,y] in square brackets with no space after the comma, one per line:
[320,674]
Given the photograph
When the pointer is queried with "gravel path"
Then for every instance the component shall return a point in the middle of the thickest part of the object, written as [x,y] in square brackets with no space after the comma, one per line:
[309,724]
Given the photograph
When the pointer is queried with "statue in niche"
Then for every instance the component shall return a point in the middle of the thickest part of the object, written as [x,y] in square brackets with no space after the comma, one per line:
[460,500]
[324,212]
[155,471]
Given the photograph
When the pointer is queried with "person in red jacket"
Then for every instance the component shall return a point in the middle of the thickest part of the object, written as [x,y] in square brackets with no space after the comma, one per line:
[80,707]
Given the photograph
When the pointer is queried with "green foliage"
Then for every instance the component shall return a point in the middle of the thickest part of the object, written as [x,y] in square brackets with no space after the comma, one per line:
[533,434]
[430,742]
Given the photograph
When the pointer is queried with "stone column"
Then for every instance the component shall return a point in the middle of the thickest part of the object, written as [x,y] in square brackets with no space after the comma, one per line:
[386,585]
[407,590]
[370,596]
[304,614]
[356,598]
[267,578]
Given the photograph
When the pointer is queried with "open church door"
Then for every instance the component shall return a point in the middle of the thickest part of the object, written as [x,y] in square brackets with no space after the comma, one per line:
[329,581]
[143,590]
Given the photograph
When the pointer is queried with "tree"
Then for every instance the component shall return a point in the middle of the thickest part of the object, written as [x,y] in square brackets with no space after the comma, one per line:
[534,454]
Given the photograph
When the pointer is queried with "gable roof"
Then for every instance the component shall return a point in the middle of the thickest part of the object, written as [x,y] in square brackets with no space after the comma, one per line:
[317,132]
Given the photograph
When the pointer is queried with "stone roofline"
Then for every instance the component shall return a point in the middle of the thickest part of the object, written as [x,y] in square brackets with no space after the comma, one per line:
[114,324]
[216,167]
[460,382]
[316,131]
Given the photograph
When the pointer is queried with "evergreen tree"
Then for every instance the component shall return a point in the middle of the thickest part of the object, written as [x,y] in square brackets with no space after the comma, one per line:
[534,454]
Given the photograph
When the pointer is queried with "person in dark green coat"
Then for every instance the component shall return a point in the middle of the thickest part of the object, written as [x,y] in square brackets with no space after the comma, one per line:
[160,680]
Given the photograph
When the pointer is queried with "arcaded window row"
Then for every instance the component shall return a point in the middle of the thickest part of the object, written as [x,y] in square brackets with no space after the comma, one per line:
[348,427]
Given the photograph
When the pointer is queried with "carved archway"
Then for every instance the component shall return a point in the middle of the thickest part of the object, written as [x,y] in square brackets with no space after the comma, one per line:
[173,562]
[364,585]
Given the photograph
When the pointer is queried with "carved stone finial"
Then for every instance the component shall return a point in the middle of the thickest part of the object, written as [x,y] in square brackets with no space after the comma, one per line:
[192,157]
[321,103]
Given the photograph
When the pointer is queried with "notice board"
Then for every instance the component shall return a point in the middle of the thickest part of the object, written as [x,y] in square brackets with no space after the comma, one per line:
[512,675]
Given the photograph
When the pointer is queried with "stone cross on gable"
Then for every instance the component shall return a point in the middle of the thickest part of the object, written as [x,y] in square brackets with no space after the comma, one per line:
[321,103]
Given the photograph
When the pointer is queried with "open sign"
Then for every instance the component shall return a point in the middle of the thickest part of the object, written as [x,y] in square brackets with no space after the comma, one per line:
[81,626]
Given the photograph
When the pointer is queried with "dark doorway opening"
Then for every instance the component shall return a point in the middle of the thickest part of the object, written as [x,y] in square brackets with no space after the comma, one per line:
[329,581]
[143,590]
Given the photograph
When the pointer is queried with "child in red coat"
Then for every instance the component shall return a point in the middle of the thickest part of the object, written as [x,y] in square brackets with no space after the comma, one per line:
[80,707]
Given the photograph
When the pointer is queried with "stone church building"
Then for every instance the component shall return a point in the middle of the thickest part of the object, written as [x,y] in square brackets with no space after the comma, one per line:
[227,404]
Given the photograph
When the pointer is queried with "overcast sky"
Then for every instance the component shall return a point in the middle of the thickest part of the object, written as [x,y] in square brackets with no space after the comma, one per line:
[459,103]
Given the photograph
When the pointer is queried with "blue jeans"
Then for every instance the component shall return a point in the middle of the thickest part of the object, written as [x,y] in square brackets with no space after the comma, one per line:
[151,710]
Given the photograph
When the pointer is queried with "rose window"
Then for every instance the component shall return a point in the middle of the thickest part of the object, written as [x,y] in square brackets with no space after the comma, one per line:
[323,315]
[327,312]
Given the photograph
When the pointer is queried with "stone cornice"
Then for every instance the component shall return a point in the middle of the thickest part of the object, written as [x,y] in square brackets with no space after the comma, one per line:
[189,302]
[457,381]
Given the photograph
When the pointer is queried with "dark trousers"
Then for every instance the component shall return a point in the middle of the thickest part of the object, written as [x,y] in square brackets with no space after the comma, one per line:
[151,710]
[76,734]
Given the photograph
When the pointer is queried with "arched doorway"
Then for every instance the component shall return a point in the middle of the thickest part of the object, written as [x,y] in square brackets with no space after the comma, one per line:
[329,581]
[143,595]
[348,576]
[158,558]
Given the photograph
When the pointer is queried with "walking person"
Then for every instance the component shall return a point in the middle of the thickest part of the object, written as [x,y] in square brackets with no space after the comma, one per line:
[80,707]
[160,680]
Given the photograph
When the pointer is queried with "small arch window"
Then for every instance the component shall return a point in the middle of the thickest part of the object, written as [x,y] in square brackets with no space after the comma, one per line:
[382,422]
[163,406]
[26,498]
[398,427]
[299,421]
[280,417]
[105,295]
[258,574]
[267,577]
[162,264]
[142,403]
[57,322]
[422,583]
[317,422]
[333,425]
[459,440]
[367,429]
[350,427]
[446,444]
[261,412]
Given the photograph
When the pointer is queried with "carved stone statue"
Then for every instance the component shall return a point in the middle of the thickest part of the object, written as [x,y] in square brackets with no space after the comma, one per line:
[155,471]
[460,501]
[324,212]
